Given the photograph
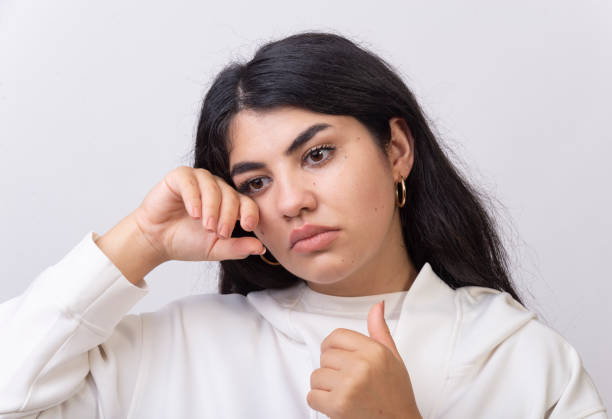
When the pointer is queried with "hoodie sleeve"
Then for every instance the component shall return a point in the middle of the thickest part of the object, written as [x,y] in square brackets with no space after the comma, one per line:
[508,364]
[68,349]
[578,397]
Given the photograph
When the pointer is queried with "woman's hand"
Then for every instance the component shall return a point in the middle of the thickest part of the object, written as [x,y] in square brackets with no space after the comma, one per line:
[190,215]
[361,376]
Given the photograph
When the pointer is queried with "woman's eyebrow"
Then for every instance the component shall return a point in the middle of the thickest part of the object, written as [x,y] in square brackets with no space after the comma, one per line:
[303,137]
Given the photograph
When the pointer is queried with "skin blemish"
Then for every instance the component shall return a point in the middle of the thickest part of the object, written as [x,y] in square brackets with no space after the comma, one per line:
[375,209]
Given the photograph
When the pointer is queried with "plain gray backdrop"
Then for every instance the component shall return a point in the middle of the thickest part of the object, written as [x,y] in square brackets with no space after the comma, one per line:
[99,100]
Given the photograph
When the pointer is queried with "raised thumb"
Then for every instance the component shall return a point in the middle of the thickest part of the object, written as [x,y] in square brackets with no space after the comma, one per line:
[378,329]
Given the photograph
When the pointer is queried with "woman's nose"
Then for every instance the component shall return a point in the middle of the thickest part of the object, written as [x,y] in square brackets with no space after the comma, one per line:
[294,194]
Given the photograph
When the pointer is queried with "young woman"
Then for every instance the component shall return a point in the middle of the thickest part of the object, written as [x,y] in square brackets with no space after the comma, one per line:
[361,275]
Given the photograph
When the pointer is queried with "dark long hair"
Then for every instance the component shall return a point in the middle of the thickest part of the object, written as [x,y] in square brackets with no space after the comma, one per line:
[444,221]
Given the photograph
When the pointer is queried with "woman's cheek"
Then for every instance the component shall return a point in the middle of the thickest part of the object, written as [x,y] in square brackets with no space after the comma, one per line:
[369,203]
[267,230]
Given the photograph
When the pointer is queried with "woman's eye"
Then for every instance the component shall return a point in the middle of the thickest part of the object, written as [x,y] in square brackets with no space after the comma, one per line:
[256,183]
[252,186]
[319,154]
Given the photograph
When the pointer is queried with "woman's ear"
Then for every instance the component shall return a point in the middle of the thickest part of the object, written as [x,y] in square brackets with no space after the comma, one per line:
[400,149]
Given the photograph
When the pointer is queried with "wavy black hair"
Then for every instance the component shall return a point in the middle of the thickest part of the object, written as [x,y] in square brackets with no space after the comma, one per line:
[444,222]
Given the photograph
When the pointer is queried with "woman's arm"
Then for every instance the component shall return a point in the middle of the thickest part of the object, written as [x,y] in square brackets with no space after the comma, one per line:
[66,344]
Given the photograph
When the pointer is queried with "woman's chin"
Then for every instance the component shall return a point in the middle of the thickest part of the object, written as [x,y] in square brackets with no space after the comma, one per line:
[322,268]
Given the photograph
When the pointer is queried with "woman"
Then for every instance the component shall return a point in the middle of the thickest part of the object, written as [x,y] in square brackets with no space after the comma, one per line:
[321,189]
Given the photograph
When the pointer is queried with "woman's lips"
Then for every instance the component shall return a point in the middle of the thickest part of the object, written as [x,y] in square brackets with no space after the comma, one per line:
[317,242]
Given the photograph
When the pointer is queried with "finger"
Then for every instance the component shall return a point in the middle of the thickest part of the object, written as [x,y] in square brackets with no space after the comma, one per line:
[346,339]
[229,210]
[321,401]
[325,379]
[211,198]
[248,213]
[337,359]
[236,248]
[183,182]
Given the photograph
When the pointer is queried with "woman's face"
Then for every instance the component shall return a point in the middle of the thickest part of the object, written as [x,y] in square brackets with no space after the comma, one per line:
[305,168]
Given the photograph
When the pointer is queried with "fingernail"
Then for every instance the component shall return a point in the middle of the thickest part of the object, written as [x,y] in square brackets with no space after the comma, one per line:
[210,224]
[250,222]
[194,212]
[224,231]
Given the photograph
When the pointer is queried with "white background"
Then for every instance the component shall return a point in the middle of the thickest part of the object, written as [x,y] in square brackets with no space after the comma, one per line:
[99,100]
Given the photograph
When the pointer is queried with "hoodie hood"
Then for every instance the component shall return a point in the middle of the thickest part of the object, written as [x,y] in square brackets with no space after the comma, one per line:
[439,332]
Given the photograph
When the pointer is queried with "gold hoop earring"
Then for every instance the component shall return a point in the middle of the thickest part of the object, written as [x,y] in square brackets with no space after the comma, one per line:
[268,261]
[403,200]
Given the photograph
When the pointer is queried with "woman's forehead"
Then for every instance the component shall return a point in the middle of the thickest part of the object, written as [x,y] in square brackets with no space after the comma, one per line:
[277,128]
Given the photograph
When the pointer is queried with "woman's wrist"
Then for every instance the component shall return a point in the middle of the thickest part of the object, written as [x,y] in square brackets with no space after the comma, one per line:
[129,250]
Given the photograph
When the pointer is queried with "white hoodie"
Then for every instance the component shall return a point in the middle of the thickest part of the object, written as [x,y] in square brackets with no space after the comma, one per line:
[69,350]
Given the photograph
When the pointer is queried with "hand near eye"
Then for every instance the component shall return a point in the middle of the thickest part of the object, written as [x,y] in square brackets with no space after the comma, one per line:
[188,215]
[361,376]
[191,213]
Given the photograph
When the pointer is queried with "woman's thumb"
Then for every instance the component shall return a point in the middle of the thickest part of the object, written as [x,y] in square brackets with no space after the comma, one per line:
[237,248]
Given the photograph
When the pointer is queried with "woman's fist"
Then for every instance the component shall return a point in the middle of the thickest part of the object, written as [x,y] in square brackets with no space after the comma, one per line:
[190,215]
